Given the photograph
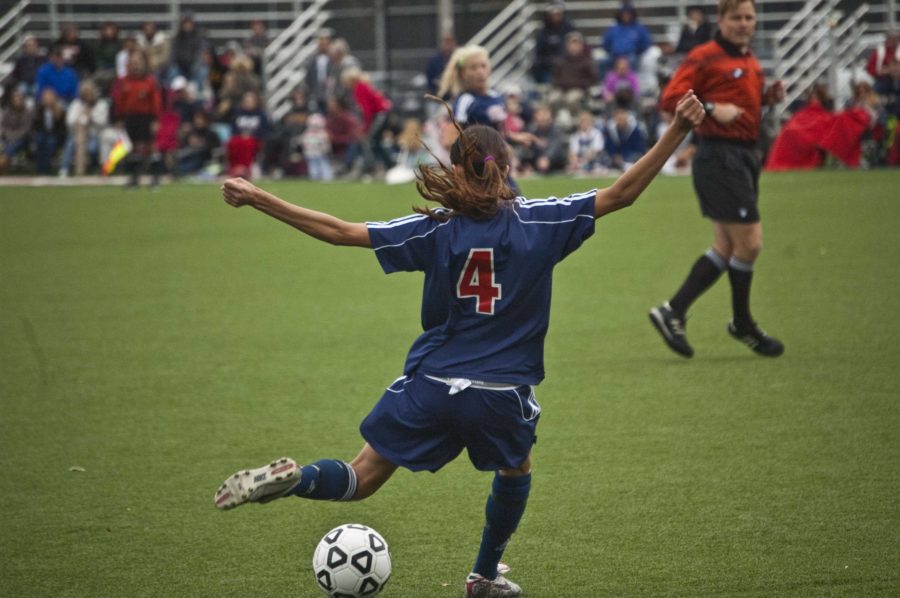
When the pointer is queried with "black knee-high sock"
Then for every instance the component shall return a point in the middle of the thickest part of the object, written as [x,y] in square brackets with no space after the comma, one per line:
[704,274]
[740,274]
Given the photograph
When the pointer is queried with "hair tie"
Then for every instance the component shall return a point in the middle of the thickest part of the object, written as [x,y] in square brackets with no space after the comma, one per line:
[488,158]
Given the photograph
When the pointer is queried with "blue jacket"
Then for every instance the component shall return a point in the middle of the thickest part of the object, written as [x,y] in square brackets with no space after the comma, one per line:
[622,39]
[64,81]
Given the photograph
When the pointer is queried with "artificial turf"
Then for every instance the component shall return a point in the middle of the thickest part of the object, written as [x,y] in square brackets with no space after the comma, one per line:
[152,343]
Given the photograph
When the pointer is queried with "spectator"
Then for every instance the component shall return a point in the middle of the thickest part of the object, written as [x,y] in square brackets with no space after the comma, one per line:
[48,130]
[186,48]
[546,152]
[108,46]
[250,129]
[340,60]
[628,38]
[86,118]
[889,90]
[182,101]
[76,52]
[239,80]
[156,46]
[129,45]
[815,131]
[345,131]
[438,62]
[198,145]
[58,76]
[585,146]
[573,74]
[550,42]
[696,31]
[317,70]
[137,105]
[250,118]
[27,64]
[655,68]
[15,125]
[255,44]
[620,85]
[883,55]
[317,149]
[375,109]
[625,138]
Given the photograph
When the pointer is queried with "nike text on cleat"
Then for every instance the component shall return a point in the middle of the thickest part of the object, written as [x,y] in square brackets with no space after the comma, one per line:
[260,485]
[758,340]
[482,587]
[672,328]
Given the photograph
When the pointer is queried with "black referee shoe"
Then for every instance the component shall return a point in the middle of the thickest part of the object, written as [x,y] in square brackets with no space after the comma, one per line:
[758,340]
[671,326]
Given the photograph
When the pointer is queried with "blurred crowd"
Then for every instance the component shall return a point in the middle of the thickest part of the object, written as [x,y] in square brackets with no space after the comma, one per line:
[182,107]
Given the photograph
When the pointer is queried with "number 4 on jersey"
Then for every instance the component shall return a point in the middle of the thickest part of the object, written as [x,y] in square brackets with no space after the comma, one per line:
[477,280]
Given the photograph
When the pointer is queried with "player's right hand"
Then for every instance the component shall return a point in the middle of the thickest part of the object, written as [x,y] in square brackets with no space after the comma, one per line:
[689,111]
[238,192]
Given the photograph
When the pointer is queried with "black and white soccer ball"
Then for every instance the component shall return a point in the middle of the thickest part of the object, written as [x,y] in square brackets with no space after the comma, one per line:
[352,561]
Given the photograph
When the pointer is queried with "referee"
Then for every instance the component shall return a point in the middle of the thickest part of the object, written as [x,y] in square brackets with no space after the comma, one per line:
[729,81]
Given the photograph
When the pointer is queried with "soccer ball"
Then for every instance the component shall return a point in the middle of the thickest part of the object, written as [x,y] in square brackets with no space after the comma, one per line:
[352,561]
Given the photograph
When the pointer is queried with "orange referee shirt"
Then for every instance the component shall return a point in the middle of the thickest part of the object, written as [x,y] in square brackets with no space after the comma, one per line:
[718,71]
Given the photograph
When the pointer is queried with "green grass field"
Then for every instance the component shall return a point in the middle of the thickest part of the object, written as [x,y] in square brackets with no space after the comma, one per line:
[162,340]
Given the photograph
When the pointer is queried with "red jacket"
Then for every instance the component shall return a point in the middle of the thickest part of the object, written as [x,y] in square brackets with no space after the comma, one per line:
[718,72]
[133,96]
[370,102]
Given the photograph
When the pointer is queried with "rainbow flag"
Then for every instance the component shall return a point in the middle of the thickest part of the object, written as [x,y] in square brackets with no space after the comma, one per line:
[121,149]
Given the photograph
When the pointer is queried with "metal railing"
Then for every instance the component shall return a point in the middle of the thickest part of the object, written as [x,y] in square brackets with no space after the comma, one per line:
[286,56]
[12,26]
[817,42]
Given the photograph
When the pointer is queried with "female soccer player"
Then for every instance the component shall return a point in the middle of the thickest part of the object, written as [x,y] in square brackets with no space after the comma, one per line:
[468,381]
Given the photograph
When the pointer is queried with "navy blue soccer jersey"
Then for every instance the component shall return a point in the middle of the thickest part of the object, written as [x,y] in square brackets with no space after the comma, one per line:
[475,109]
[486,297]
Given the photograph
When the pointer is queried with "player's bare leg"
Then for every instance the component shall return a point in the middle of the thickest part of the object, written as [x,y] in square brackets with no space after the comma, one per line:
[372,471]
[746,242]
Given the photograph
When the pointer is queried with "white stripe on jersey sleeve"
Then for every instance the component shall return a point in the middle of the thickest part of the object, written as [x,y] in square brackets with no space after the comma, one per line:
[407,240]
[568,200]
[549,201]
[404,219]
[463,103]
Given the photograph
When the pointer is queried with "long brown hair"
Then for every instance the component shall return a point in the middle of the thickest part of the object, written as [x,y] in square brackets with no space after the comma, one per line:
[475,183]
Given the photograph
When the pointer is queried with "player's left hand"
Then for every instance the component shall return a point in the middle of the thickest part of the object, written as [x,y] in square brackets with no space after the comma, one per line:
[688,112]
[238,192]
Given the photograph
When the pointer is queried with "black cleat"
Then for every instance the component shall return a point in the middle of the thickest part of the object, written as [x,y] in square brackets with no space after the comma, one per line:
[671,327]
[758,340]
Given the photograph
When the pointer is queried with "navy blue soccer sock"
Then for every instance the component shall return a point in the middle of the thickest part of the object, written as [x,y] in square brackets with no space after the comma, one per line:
[503,511]
[328,479]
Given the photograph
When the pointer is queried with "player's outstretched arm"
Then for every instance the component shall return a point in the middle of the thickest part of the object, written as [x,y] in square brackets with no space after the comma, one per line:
[238,192]
[621,194]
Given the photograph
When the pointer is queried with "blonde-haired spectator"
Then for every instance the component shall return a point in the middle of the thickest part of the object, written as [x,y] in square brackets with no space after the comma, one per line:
[86,119]
[585,146]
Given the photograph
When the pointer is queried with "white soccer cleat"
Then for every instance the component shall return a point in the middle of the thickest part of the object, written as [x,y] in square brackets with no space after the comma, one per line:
[482,587]
[260,485]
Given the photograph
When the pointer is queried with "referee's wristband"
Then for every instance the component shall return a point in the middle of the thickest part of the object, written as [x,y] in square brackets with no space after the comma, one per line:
[708,107]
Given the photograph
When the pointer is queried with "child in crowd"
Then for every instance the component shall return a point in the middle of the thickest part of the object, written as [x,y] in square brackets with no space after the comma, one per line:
[317,149]
[585,146]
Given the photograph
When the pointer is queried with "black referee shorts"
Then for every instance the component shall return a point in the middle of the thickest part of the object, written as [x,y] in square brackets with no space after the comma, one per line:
[726,179]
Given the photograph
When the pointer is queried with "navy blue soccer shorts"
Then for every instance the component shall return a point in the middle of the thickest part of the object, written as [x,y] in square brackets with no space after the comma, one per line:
[419,425]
